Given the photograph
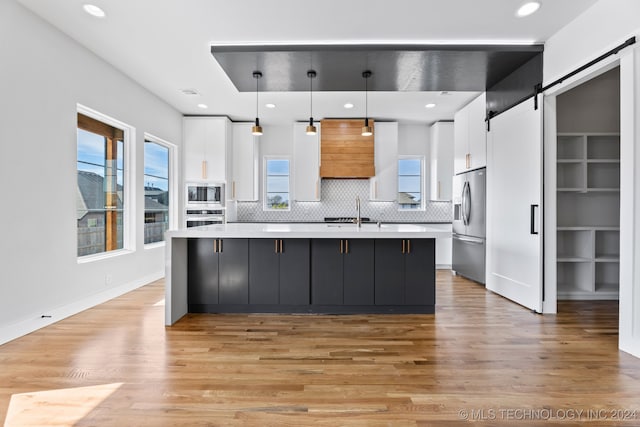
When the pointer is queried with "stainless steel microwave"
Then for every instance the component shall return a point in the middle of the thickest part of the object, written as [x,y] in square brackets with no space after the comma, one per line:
[205,194]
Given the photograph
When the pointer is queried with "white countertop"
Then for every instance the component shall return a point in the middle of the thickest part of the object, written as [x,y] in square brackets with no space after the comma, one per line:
[314,231]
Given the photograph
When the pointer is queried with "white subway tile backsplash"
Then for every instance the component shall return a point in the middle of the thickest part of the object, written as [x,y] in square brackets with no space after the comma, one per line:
[338,199]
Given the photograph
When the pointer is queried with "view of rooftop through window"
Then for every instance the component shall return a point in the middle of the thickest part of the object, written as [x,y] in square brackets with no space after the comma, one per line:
[277,184]
[100,186]
[156,191]
[410,183]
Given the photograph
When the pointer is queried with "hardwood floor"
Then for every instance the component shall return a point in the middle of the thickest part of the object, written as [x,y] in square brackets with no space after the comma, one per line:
[479,358]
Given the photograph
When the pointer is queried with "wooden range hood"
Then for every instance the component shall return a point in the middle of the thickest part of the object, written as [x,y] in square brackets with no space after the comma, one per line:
[344,152]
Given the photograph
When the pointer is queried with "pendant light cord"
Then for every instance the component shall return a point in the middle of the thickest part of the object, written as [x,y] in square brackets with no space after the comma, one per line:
[257,94]
[366,97]
[311,95]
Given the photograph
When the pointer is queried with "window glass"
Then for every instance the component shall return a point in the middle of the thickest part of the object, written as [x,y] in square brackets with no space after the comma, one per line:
[410,183]
[156,191]
[100,187]
[277,184]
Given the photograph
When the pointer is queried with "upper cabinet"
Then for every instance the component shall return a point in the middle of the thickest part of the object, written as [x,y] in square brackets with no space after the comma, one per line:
[306,164]
[384,185]
[441,160]
[344,152]
[470,137]
[206,151]
[246,168]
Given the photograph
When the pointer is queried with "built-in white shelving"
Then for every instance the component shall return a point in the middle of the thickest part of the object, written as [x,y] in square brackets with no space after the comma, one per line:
[588,200]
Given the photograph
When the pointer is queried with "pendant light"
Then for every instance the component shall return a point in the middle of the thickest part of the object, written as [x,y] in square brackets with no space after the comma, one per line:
[311,129]
[257,129]
[366,129]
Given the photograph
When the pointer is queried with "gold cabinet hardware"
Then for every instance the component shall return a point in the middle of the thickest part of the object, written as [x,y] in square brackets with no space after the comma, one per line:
[275,244]
[204,169]
[403,243]
[281,251]
[215,245]
[346,243]
[468,160]
[408,246]
[341,243]
[220,245]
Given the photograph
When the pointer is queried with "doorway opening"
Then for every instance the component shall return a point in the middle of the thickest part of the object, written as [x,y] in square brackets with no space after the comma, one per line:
[588,190]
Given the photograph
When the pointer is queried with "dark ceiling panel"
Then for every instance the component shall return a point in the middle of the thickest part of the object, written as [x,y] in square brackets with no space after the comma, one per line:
[394,67]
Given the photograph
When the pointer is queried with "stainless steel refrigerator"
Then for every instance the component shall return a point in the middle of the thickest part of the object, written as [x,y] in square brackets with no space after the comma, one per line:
[469,207]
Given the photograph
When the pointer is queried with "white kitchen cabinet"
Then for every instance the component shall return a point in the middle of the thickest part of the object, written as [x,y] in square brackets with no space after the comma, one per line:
[306,164]
[246,167]
[470,136]
[206,152]
[441,160]
[384,185]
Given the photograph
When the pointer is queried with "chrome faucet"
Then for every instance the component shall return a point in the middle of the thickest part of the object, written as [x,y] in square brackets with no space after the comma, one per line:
[358,220]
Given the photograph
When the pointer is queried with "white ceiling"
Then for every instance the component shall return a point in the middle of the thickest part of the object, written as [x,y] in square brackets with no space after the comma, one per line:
[165,45]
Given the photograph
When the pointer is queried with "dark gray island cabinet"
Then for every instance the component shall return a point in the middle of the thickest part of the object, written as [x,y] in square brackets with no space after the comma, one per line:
[284,268]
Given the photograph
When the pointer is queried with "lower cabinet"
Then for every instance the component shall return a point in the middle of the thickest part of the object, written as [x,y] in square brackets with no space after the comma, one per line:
[279,271]
[311,275]
[341,272]
[405,271]
[218,271]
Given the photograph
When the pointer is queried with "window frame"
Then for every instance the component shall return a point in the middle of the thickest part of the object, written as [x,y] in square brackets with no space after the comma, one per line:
[173,186]
[266,159]
[129,193]
[421,158]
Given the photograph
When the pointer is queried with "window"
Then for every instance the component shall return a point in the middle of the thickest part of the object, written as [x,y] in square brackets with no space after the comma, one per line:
[276,184]
[410,183]
[100,201]
[156,191]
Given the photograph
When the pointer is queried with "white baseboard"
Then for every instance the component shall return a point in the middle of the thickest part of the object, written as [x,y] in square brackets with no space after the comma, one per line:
[36,321]
[443,266]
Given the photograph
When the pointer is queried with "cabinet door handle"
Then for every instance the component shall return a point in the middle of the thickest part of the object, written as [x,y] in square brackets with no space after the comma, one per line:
[346,244]
[468,160]
[220,245]
[341,243]
[375,187]
[275,244]
[439,190]
[233,189]
[215,245]
[204,169]
[403,245]
[408,246]
[281,250]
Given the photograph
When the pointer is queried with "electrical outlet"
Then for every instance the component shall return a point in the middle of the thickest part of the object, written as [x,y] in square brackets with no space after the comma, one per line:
[108,279]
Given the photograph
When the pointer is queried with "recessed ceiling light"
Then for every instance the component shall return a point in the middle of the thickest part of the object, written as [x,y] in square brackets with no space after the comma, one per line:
[94,10]
[203,106]
[348,105]
[527,9]
[430,105]
[270,105]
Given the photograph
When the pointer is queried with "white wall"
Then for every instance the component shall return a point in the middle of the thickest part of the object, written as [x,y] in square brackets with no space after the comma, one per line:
[600,28]
[44,74]
[605,25]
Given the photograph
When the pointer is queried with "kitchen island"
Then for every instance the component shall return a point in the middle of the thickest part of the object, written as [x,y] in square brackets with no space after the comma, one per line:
[300,268]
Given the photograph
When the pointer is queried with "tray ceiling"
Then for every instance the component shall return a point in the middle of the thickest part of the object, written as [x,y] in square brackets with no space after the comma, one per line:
[395,68]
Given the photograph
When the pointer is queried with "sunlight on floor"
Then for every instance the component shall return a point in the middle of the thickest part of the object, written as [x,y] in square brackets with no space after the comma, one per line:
[65,406]
[159,303]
